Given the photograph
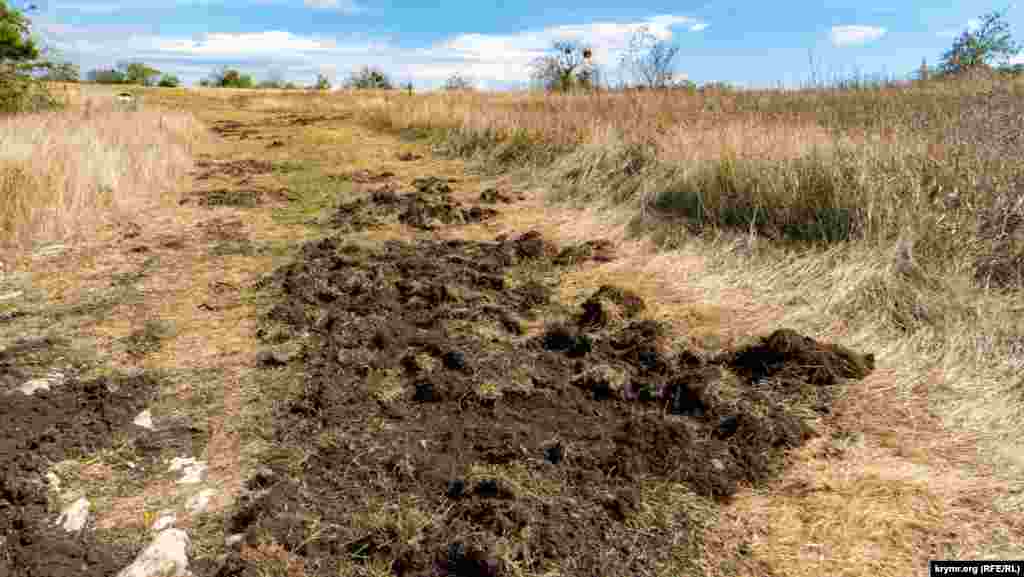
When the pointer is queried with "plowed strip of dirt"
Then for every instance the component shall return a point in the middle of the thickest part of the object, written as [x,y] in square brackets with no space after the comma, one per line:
[389,366]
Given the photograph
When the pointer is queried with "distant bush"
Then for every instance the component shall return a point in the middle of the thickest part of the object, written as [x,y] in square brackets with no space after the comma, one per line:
[105,76]
[169,81]
[228,78]
[369,78]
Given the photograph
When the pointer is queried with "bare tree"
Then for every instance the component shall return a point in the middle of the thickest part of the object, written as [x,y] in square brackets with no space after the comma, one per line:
[458,82]
[570,65]
[649,59]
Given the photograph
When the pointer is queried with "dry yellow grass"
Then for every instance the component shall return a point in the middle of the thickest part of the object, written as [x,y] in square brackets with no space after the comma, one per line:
[920,460]
[66,174]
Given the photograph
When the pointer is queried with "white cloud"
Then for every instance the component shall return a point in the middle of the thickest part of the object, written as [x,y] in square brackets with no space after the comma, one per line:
[489,59]
[507,57]
[855,35]
[244,44]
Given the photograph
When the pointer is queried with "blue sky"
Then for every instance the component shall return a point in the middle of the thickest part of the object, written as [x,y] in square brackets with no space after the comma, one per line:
[756,44]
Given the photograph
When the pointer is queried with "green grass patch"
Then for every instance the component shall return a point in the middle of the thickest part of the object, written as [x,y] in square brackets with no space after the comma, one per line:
[313,195]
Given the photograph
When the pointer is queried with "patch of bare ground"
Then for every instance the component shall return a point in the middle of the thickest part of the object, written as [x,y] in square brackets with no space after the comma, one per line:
[487,427]
[160,297]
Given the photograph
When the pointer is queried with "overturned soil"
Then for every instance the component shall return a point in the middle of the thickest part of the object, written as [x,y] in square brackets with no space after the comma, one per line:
[428,207]
[455,420]
[75,418]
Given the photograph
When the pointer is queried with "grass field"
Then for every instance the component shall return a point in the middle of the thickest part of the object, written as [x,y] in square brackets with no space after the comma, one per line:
[886,218]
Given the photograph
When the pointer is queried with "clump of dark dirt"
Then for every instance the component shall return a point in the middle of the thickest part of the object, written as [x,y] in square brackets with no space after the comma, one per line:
[595,250]
[308,119]
[232,128]
[73,419]
[427,208]
[248,198]
[233,168]
[493,196]
[421,385]
[218,228]
[409,157]
[368,177]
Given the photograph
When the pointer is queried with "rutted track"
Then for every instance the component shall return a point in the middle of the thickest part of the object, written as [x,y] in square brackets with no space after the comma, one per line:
[452,417]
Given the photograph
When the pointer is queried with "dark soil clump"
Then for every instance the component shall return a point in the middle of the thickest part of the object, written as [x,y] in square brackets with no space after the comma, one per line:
[427,208]
[241,198]
[68,421]
[441,437]
[233,168]
[233,129]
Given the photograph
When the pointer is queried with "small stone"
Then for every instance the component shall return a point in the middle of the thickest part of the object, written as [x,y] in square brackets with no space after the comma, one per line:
[167,556]
[200,501]
[30,387]
[11,295]
[144,419]
[54,481]
[165,521]
[233,540]
[74,517]
[193,471]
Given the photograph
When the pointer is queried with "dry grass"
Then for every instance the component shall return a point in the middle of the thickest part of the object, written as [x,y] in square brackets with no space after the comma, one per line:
[901,199]
[64,174]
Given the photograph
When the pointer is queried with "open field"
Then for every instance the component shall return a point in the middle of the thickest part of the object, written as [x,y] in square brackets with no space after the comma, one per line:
[660,333]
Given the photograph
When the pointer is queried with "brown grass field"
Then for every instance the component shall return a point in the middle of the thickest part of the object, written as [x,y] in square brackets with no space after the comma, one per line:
[886,219]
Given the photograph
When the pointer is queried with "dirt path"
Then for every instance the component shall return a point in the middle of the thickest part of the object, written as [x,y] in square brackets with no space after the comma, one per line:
[452,381]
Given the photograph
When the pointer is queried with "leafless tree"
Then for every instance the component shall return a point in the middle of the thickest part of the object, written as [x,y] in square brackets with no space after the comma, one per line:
[568,66]
[458,82]
[650,60]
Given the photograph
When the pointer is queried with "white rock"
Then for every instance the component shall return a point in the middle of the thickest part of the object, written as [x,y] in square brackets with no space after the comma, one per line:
[232,540]
[30,387]
[192,471]
[166,556]
[11,295]
[55,378]
[166,521]
[200,501]
[73,518]
[54,481]
[144,419]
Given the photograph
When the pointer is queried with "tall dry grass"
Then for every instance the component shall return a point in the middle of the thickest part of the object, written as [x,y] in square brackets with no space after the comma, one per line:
[65,174]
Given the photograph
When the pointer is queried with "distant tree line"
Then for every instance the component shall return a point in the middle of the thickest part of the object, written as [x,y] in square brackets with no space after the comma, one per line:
[137,73]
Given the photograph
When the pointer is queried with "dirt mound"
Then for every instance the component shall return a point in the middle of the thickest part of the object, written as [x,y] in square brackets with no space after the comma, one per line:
[428,207]
[293,119]
[234,168]
[367,177]
[222,229]
[70,420]
[241,198]
[232,129]
[442,436]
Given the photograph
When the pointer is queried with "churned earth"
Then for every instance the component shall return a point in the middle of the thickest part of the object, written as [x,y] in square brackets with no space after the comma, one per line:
[366,366]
